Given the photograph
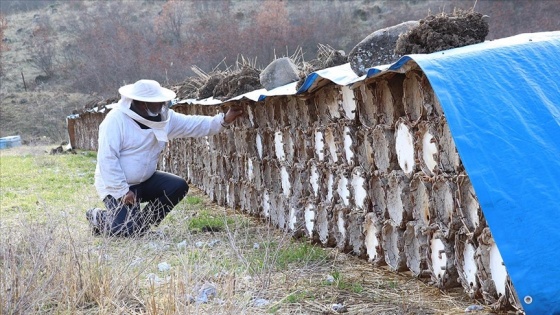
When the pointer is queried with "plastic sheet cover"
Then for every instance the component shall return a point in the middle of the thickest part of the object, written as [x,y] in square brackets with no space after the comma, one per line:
[502,103]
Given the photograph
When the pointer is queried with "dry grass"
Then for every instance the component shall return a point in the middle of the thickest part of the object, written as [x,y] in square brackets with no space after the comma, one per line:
[50,264]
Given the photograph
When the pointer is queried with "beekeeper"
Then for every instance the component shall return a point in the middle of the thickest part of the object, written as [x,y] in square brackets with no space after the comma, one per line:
[131,138]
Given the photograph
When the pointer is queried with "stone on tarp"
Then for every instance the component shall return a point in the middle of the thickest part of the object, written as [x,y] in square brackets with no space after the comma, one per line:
[378,48]
[280,72]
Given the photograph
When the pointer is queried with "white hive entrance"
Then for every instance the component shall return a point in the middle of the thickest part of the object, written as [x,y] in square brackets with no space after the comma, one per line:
[370,168]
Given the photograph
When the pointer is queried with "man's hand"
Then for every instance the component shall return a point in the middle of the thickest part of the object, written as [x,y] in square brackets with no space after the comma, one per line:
[129,198]
[232,113]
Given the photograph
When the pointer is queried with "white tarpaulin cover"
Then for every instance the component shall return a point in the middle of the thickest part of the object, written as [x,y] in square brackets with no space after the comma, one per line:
[502,102]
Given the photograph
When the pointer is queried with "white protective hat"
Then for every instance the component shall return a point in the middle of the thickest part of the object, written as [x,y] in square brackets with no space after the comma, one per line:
[147,91]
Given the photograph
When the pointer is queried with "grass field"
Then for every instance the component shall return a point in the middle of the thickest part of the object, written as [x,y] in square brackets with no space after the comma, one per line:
[203,259]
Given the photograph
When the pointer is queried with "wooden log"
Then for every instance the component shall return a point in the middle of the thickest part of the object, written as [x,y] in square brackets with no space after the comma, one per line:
[359,183]
[341,215]
[285,181]
[421,196]
[279,146]
[416,249]
[221,193]
[404,147]
[292,220]
[427,148]
[388,109]
[342,183]
[472,218]
[293,112]
[265,202]
[269,143]
[393,246]
[365,149]
[254,171]
[256,206]
[245,197]
[319,141]
[466,264]
[327,101]
[413,96]
[250,109]
[443,211]
[449,160]
[349,105]
[259,144]
[271,178]
[300,180]
[366,105]
[330,186]
[209,186]
[431,106]
[277,207]
[324,224]
[289,146]
[399,204]
[232,194]
[373,239]
[355,233]
[238,171]
[385,156]
[304,145]
[277,107]
[315,178]
[268,114]
[492,273]
[441,261]
[349,144]
[378,195]
[249,137]
[322,182]
[334,137]
[312,113]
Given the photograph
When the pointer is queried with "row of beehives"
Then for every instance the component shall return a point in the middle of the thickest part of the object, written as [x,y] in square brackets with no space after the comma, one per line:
[383,182]
[83,130]
[430,225]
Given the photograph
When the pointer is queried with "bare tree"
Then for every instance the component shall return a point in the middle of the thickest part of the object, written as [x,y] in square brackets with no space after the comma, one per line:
[43,47]
[43,57]
[172,18]
[3,45]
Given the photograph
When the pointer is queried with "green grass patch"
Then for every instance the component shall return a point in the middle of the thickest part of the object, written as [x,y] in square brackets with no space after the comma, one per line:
[205,221]
[29,183]
[299,296]
[343,284]
[272,255]
[193,200]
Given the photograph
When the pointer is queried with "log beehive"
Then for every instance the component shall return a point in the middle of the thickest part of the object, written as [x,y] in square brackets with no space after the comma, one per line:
[369,168]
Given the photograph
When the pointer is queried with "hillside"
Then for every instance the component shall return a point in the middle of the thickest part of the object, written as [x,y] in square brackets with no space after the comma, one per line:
[59,56]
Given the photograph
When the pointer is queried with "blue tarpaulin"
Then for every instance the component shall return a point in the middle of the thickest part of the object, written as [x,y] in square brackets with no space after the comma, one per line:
[502,102]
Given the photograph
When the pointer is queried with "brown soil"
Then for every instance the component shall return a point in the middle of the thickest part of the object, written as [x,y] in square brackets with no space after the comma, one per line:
[237,83]
[442,31]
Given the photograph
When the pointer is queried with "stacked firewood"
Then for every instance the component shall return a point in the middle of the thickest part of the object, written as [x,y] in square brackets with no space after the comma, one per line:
[370,168]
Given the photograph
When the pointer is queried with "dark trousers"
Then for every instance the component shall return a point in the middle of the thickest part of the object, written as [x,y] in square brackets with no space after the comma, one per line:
[162,192]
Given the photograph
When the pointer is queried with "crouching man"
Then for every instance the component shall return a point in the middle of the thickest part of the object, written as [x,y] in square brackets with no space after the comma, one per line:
[131,138]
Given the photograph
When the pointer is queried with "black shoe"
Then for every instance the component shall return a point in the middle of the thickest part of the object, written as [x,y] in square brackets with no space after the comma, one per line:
[94,217]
